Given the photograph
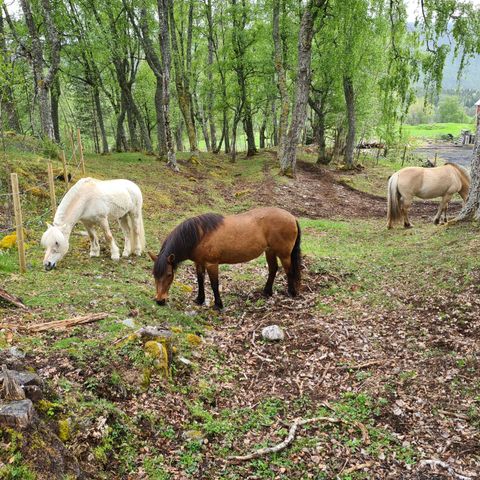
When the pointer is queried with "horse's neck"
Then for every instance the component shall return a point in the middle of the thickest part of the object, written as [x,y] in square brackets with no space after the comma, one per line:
[69,212]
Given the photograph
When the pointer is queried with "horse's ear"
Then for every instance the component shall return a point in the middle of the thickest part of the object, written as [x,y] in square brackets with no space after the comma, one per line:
[171,258]
[48,225]
[153,256]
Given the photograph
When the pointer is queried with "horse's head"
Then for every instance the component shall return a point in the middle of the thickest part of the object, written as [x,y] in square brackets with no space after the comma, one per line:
[56,246]
[163,272]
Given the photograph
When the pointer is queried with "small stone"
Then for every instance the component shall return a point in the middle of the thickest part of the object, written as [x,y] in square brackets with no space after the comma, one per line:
[129,322]
[193,435]
[273,333]
[15,352]
[185,361]
[16,414]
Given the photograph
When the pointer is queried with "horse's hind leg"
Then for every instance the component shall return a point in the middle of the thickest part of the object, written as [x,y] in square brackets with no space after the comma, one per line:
[114,250]
[405,206]
[272,272]
[137,234]
[200,300]
[287,266]
[126,227]
[213,275]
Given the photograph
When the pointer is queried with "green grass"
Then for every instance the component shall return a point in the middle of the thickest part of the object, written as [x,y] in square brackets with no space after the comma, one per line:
[435,130]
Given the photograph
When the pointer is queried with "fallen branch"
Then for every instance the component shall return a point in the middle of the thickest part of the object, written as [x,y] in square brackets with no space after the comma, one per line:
[357,467]
[67,323]
[445,465]
[363,365]
[288,440]
[56,324]
[4,295]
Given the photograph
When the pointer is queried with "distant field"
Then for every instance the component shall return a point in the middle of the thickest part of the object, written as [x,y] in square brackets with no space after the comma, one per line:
[435,130]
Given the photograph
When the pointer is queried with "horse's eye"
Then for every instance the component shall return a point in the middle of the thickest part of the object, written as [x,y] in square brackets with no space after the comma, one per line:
[56,244]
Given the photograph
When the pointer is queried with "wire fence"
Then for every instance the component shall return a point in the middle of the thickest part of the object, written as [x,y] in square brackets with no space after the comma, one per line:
[39,219]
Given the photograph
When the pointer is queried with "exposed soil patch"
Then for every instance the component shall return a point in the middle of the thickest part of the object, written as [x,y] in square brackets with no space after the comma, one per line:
[317,192]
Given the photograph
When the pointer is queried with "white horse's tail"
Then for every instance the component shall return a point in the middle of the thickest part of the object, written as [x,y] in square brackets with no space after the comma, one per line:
[141,231]
[394,212]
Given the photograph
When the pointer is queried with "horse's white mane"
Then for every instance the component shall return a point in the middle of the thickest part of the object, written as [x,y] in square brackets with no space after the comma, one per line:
[68,199]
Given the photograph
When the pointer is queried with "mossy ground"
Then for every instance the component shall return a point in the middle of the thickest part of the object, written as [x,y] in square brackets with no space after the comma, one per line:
[364,286]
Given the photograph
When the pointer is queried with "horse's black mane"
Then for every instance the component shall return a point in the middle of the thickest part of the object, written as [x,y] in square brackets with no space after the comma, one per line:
[184,238]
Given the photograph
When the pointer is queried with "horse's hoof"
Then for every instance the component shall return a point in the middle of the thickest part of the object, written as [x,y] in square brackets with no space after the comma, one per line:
[199,301]
[94,254]
[218,308]
[115,257]
[125,254]
[267,293]
[291,293]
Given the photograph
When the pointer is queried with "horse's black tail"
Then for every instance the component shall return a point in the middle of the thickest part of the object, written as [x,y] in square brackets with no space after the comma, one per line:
[296,262]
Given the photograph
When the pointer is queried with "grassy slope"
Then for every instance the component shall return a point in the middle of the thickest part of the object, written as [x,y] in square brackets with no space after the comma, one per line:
[435,130]
[369,262]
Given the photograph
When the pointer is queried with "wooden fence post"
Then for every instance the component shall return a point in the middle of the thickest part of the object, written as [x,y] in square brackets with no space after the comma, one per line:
[72,143]
[51,185]
[18,222]
[80,149]
[404,155]
[65,173]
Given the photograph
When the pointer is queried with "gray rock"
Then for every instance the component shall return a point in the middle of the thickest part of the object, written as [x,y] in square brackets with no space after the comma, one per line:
[129,322]
[24,378]
[273,333]
[15,352]
[151,333]
[16,414]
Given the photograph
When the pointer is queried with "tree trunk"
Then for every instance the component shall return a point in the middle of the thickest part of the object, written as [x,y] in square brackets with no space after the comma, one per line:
[318,106]
[350,104]
[120,140]
[288,158]
[179,136]
[263,127]
[161,138]
[274,124]
[471,209]
[43,78]
[99,112]
[11,121]
[54,99]
[210,93]
[182,82]
[281,135]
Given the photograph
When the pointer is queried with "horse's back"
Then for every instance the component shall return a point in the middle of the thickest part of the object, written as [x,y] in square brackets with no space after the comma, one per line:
[246,236]
[429,182]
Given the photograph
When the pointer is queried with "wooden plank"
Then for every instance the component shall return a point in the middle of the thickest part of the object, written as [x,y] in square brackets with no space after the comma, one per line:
[51,185]
[80,150]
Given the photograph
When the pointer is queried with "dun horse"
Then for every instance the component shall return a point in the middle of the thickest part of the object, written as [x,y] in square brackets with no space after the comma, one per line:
[210,239]
[94,202]
[425,183]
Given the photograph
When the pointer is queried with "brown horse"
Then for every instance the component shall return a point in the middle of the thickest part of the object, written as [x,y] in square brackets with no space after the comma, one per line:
[425,183]
[211,239]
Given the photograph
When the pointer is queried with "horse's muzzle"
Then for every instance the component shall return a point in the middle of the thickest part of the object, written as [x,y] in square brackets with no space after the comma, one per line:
[49,266]
[161,302]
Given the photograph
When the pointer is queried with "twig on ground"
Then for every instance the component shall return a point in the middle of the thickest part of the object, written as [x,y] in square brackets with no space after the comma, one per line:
[445,465]
[288,440]
[364,365]
[357,467]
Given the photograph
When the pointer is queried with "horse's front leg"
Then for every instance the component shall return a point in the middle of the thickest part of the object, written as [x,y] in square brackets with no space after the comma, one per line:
[200,300]
[114,250]
[94,243]
[213,275]
[441,208]
[125,226]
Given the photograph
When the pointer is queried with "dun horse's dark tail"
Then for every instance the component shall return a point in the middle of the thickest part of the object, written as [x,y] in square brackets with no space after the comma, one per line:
[296,260]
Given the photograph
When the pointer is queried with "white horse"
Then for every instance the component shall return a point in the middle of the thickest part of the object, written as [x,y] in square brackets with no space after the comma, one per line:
[94,202]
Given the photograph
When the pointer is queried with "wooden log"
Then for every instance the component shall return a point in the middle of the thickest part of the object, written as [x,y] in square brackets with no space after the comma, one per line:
[19,223]
[4,295]
[51,186]
[72,144]
[67,323]
[80,150]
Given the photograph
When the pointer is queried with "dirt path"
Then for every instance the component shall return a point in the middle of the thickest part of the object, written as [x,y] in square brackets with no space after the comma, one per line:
[317,192]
